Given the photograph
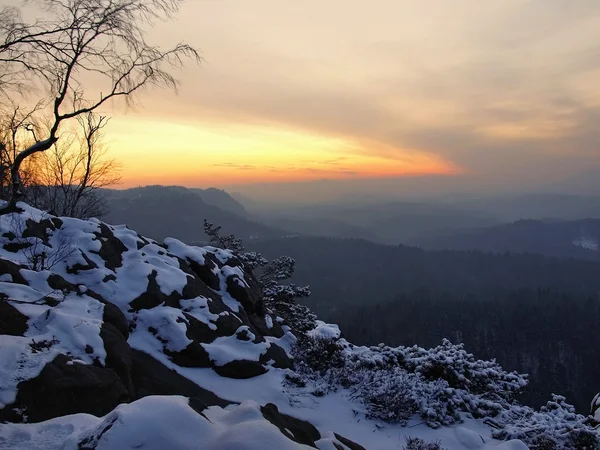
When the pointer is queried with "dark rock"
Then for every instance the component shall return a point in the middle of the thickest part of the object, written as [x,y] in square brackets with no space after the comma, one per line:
[154,296]
[118,355]
[62,389]
[108,278]
[151,377]
[241,293]
[114,316]
[228,324]
[112,249]
[205,273]
[142,240]
[234,262]
[198,331]
[243,335]
[247,292]
[348,443]
[40,229]
[58,283]
[194,355]
[213,260]
[15,247]
[91,441]
[259,322]
[89,264]
[12,322]
[13,270]
[240,369]
[9,209]
[278,355]
[295,429]
[195,287]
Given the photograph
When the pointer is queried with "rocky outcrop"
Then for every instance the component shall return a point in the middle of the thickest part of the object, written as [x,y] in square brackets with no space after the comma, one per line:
[173,298]
[12,322]
[95,317]
[67,387]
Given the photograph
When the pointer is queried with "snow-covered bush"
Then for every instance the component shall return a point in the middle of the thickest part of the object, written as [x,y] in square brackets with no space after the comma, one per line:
[229,242]
[279,298]
[439,385]
[315,356]
[555,426]
[481,388]
[450,362]
[392,396]
[415,443]
[397,383]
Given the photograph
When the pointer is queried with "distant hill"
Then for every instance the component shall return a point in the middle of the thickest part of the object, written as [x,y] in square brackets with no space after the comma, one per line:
[534,206]
[162,211]
[221,199]
[386,222]
[575,239]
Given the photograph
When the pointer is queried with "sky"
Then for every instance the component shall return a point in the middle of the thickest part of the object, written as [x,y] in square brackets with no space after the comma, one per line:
[504,92]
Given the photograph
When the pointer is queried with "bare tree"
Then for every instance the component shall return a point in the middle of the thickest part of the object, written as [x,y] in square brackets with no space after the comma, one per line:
[72,173]
[77,41]
[17,130]
[37,251]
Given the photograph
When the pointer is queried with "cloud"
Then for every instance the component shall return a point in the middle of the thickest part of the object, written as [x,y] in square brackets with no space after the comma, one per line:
[235,166]
[492,87]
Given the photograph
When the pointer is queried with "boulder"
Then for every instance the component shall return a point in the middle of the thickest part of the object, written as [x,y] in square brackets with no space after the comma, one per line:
[348,443]
[240,369]
[114,316]
[279,357]
[151,377]
[12,322]
[9,267]
[297,430]
[112,249]
[154,296]
[194,355]
[118,355]
[66,387]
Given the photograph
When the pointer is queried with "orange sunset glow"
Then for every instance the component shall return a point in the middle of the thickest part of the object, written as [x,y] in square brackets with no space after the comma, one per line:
[171,153]
[290,92]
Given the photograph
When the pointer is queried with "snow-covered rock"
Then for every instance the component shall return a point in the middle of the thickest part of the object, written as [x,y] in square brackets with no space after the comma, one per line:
[110,340]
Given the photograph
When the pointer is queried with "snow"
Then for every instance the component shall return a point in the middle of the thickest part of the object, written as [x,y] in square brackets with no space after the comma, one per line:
[230,348]
[335,411]
[154,423]
[587,243]
[169,422]
[158,422]
[285,342]
[198,308]
[167,324]
[269,321]
[325,330]
[71,328]
[184,251]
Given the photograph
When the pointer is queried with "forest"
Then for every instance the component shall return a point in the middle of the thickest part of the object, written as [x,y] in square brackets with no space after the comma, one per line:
[549,335]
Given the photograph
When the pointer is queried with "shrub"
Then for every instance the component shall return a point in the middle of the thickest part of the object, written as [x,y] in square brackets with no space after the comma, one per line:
[397,383]
[555,426]
[414,443]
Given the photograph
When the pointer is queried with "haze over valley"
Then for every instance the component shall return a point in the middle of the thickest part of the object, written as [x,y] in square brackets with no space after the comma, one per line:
[333,225]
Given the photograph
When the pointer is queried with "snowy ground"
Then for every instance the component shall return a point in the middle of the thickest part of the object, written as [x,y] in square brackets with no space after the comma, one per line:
[159,423]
